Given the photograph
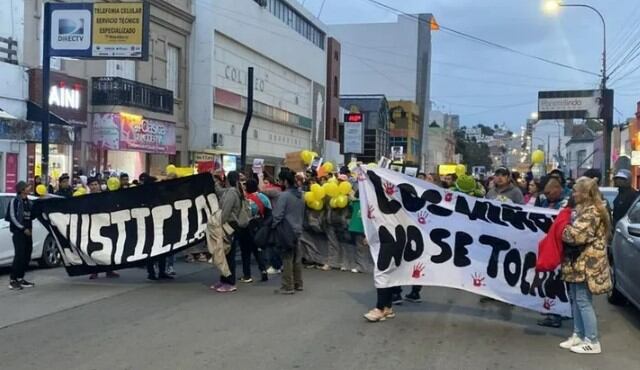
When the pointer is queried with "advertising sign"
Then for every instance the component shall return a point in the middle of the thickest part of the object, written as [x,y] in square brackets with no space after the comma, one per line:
[11,172]
[353,133]
[99,30]
[67,95]
[130,132]
[570,104]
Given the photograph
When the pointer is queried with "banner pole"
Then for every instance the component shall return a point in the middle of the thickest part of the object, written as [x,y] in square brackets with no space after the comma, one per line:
[247,121]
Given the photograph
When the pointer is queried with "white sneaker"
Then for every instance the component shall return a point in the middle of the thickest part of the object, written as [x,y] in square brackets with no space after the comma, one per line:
[272,271]
[573,340]
[587,347]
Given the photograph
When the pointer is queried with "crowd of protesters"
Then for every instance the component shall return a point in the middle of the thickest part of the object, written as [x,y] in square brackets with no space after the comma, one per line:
[266,219]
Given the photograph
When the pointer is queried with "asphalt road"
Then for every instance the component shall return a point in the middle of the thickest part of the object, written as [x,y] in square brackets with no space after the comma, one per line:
[127,323]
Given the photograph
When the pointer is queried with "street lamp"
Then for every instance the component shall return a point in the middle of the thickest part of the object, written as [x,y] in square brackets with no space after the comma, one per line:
[553,6]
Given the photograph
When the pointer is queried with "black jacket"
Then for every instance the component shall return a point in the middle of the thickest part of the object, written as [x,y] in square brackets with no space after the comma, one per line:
[19,214]
[622,203]
[66,193]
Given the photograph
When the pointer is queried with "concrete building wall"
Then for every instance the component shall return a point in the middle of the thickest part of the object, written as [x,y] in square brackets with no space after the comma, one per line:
[391,59]
[290,76]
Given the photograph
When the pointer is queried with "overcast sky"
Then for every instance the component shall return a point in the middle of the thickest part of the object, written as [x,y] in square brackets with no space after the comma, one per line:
[487,85]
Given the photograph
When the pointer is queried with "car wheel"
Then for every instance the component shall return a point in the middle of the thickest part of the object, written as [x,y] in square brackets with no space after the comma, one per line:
[50,254]
[614,296]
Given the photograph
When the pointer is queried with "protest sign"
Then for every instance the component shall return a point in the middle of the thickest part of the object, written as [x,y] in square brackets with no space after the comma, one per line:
[420,234]
[114,230]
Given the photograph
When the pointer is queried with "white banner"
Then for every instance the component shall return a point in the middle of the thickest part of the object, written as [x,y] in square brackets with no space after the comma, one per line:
[421,234]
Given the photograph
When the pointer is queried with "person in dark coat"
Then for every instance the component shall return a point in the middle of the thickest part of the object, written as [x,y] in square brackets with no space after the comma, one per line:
[19,217]
[626,195]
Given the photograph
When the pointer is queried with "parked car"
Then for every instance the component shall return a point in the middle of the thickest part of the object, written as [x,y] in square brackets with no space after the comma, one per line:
[624,255]
[609,193]
[44,252]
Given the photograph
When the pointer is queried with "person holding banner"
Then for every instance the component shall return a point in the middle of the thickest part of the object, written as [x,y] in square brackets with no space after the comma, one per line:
[585,266]
[94,187]
[504,190]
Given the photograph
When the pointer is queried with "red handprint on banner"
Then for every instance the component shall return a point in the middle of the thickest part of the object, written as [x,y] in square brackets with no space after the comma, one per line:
[370,215]
[417,271]
[548,304]
[478,280]
[389,189]
[422,217]
[448,197]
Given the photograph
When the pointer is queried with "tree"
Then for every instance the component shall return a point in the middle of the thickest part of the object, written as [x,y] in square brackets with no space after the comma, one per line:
[473,153]
[486,130]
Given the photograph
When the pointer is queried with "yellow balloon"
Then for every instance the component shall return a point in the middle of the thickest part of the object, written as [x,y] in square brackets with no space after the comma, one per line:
[461,170]
[318,192]
[372,165]
[333,203]
[345,188]
[309,197]
[113,184]
[342,201]
[79,192]
[328,166]
[352,166]
[171,169]
[316,205]
[333,180]
[41,190]
[537,157]
[331,189]
[307,157]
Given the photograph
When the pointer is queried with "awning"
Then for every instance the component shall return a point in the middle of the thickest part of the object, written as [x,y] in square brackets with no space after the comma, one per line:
[35,113]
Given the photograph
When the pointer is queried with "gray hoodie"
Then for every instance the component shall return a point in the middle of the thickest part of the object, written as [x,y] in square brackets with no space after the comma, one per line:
[290,207]
[510,192]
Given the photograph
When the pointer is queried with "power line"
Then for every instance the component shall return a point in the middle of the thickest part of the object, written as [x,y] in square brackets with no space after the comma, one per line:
[481,40]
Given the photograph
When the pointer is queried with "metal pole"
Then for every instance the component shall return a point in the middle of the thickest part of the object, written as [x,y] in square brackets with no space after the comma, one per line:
[46,65]
[247,121]
[548,149]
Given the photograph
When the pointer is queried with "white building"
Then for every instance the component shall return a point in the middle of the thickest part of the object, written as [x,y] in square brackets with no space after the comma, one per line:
[14,92]
[551,137]
[286,46]
[391,59]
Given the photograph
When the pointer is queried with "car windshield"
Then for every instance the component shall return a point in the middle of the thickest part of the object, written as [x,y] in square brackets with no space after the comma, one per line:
[4,205]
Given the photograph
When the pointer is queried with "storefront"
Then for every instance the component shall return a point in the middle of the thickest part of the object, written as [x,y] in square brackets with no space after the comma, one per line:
[130,143]
[68,109]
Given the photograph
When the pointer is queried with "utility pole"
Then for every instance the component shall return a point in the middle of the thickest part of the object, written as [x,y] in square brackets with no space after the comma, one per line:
[46,67]
[247,121]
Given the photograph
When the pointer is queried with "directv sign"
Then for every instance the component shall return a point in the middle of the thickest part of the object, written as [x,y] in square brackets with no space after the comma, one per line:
[582,104]
[99,30]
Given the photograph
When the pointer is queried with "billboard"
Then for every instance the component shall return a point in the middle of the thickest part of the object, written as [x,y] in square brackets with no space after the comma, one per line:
[582,104]
[99,30]
[131,132]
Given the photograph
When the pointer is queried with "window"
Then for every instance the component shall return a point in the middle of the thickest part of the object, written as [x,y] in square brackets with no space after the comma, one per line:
[634,214]
[581,155]
[335,87]
[173,70]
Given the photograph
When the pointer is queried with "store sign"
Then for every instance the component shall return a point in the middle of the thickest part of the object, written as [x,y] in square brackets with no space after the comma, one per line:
[353,133]
[582,104]
[11,172]
[130,132]
[99,30]
[67,95]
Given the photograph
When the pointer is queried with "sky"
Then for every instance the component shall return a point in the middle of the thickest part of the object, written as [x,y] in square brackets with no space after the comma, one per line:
[487,85]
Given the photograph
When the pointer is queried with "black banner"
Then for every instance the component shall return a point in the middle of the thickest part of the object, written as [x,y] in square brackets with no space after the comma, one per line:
[114,230]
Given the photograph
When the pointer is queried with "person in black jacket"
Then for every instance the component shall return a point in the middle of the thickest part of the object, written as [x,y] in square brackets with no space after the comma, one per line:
[64,188]
[19,217]
[626,195]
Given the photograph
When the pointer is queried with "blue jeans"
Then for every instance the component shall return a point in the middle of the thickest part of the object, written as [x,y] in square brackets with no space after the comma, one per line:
[585,324]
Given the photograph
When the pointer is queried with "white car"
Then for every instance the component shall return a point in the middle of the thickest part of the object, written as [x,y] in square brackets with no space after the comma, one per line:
[44,252]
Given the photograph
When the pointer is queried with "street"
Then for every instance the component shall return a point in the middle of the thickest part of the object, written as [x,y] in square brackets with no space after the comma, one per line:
[128,323]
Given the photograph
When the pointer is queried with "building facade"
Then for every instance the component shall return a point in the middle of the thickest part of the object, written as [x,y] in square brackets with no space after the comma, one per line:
[373,64]
[584,151]
[442,147]
[287,47]
[405,129]
[376,121]
[106,115]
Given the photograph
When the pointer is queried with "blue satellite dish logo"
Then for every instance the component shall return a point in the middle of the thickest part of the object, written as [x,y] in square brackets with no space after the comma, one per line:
[71,26]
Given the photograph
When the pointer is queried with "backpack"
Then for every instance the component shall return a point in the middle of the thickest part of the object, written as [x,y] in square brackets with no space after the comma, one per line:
[244,215]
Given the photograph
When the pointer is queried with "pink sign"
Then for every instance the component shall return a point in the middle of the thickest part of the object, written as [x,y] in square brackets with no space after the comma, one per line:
[11,172]
[122,131]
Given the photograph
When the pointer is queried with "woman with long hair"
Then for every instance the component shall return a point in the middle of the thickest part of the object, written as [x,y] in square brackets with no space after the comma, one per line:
[585,266]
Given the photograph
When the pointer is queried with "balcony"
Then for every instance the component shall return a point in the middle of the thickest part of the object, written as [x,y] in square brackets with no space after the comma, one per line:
[128,93]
